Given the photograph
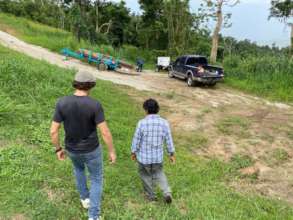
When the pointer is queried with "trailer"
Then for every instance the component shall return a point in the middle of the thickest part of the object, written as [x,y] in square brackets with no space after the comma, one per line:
[101,61]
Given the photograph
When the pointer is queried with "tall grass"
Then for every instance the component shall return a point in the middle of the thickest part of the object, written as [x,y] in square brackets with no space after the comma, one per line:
[38,34]
[55,39]
[267,76]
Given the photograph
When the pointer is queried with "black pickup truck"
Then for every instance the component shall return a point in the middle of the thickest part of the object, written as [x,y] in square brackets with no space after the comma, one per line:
[195,70]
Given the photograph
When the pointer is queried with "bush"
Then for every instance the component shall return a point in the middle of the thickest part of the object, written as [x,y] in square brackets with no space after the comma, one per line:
[268,76]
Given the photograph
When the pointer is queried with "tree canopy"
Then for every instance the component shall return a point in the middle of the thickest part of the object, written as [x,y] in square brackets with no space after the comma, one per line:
[166,27]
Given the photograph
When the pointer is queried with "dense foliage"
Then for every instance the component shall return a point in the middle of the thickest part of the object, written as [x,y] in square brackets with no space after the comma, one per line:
[268,76]
[165,26]
[282,8]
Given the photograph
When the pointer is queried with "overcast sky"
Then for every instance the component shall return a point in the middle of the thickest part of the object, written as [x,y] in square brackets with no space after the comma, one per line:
[249,21]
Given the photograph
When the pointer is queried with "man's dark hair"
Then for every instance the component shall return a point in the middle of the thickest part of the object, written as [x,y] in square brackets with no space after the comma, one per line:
[83,85]
[151,106]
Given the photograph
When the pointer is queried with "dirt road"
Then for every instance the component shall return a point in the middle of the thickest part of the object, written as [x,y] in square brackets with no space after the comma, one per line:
[224,122]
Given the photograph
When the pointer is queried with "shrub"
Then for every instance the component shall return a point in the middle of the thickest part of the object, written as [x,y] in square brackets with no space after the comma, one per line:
[268,76]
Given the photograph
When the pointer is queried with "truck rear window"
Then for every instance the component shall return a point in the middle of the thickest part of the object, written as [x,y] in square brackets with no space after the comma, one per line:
[194,61]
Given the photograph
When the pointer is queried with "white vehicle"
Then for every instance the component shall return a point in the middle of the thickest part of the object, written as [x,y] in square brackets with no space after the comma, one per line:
[162,63]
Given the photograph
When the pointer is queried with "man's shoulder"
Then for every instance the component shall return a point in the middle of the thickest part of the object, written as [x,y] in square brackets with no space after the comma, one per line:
[69,98]
[95,101]
[164,121]
[141,121]
[157,118]
[63,99]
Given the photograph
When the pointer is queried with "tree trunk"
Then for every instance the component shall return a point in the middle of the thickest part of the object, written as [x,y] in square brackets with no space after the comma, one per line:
[78,29]
[97,16]
[62,18]
[291,48]
[216,32]
[176,12]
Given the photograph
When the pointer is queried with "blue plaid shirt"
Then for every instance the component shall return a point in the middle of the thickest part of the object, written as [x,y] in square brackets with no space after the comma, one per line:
[149,138]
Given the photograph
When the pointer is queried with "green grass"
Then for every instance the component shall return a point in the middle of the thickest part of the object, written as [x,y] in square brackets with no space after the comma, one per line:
[240,161]
[276,157]
[290,133]
[55,39]
[234,125]
[35,184]
[39,34]
[270,77]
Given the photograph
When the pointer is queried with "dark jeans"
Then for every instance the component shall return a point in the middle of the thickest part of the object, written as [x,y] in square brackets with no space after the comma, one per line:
[151,175]
[94,163]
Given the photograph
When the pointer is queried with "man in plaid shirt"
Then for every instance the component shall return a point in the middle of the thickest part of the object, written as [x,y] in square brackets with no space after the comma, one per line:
[151,134]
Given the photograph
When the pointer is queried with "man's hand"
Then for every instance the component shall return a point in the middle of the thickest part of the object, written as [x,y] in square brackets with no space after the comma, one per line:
[107,137]
[61,155]
[133,156]
[54,132]
[112,157]
[172,159]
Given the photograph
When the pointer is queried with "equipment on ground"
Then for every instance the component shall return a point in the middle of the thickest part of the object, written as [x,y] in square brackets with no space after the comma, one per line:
[101,61]
[163,63]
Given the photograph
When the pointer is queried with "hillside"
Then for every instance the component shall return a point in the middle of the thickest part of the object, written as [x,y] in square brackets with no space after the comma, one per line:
[43,188]
[234,149]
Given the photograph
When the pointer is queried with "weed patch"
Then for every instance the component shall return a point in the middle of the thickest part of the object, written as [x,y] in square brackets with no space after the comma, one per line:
[266,76]
[234,125]
[192,141]
[239,161]
[276,157]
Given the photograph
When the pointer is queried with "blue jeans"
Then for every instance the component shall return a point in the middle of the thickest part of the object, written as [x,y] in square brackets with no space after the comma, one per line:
[94,163]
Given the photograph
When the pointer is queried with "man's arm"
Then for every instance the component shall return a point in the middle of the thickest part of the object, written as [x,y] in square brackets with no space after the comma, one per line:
[54,132]
[135,142]
[107,137]
[170,144]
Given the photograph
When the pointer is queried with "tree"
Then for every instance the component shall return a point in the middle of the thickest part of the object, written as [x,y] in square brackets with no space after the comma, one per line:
[153,27]
[180,23]
[283,10]
[214,9]
[114,20]
[105,26]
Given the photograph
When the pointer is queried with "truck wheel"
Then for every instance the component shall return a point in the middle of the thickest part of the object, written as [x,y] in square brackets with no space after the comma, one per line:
[212,84]
[170,72]
[102,67]
[190,81]
[157,69]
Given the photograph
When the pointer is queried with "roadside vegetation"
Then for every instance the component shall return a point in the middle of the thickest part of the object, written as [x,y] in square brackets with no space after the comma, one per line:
[266,76]
[55,39]
[260,71]
[34,185]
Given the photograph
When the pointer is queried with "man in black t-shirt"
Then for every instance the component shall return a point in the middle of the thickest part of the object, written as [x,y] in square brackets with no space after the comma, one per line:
[81,115]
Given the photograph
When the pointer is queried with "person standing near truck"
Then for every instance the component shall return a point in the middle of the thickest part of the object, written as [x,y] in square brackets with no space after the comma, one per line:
[81,116]
[139,64]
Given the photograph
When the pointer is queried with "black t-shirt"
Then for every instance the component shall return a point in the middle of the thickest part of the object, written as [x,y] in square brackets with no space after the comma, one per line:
[80,115]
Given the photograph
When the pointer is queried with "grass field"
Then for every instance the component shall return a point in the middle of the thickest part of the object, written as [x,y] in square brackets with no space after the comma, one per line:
[34,185]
